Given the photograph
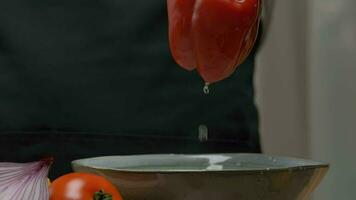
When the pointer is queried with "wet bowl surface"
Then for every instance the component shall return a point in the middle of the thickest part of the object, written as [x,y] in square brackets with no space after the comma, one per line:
[207,176]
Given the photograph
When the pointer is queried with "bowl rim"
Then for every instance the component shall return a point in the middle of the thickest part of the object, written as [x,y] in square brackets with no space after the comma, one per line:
[312,164]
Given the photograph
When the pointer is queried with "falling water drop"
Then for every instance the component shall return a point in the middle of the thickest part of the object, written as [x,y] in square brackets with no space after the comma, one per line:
[206,88]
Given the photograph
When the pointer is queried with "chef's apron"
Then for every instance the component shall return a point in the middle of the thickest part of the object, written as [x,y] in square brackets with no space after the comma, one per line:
[84,78]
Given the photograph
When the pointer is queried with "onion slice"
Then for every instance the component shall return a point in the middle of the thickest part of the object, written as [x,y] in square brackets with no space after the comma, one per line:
[25,181]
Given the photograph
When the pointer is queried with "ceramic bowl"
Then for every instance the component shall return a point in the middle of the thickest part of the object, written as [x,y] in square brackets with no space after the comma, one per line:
[207,177]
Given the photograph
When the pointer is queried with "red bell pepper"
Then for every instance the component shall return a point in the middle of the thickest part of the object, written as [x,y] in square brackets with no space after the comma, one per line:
[214,36]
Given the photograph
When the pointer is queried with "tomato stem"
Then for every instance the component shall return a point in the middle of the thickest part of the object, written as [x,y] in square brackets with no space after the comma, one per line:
[101,195]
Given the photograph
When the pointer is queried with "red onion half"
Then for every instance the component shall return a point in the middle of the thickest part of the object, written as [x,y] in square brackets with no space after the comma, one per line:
[25,181]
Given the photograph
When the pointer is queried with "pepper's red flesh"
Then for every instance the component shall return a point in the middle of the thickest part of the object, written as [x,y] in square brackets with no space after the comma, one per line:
[180,13]
[216,36]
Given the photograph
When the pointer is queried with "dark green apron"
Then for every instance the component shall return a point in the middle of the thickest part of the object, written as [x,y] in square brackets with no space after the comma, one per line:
[83,78]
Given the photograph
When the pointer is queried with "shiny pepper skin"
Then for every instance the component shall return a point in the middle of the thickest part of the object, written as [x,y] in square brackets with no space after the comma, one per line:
[212,36]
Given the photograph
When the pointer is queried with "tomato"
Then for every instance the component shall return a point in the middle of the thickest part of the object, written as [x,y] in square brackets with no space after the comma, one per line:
[212,36]
[83,186]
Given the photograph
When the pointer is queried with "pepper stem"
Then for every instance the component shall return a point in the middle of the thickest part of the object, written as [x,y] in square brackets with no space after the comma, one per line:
[101,195]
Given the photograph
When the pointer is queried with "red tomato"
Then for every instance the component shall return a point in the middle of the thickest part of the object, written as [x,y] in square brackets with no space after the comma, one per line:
[82,186]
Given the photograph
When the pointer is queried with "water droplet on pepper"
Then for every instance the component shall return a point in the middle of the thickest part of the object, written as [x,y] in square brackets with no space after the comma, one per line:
[206,89]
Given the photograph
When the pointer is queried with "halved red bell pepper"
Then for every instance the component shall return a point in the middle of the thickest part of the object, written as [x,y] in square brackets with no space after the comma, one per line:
[214,36]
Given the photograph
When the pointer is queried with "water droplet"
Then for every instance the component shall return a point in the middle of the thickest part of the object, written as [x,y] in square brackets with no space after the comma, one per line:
[203,133]
[206,88]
